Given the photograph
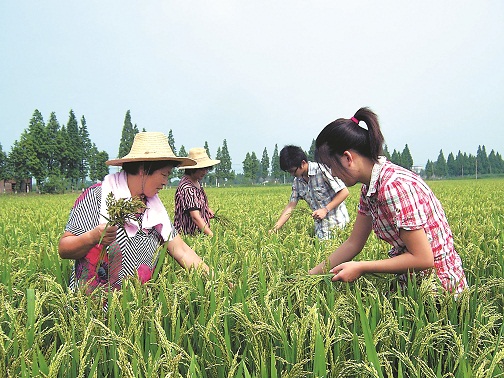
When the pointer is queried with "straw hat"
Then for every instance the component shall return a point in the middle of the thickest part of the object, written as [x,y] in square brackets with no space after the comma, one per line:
[151,146]
[200,156]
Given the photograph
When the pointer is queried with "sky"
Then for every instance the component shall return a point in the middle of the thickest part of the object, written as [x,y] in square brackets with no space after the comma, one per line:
[258,73]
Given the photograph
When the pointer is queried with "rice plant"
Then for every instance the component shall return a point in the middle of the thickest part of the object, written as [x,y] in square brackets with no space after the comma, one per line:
[274,321]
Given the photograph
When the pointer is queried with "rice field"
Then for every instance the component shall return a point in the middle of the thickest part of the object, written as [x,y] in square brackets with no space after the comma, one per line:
[274,321]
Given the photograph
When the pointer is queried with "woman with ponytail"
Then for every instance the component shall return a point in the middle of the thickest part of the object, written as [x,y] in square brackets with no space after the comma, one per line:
[395,203]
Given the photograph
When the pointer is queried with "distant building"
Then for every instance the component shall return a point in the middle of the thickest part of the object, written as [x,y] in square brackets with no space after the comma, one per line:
[417,169]
[13,186]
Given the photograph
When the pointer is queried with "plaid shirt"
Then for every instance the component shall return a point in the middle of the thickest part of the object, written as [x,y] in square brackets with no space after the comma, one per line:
[398,198]
[318,192]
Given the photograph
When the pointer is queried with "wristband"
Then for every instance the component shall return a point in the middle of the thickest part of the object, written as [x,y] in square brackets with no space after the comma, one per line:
[325,207]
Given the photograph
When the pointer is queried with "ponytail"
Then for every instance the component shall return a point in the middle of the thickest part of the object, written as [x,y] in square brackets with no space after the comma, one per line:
[348,134]
[375,135]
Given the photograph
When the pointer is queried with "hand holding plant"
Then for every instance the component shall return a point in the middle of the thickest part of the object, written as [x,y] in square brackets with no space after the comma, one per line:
[120,212]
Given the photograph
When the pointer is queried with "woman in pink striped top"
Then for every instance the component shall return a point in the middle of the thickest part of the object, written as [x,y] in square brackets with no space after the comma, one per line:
[395,203]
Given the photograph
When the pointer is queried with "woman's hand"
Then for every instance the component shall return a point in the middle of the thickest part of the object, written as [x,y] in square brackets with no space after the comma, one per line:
[347,272]
[77,246]
[109,234]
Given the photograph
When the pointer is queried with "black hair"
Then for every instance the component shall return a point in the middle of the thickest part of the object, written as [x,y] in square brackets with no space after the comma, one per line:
[291,157]
[346,134]
[133,167]
[189,172]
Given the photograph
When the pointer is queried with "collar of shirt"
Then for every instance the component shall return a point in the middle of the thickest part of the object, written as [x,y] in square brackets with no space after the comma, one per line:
[312,168]
[375,174]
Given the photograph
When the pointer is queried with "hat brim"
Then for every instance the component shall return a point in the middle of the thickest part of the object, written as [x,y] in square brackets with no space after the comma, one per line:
[184,162]
[204,164]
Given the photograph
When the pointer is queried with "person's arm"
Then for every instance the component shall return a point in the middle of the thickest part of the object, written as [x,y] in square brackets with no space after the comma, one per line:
[184,255]
[417,256]
[350,247]
[335,202]
[200,222]
[77,246]
[284,217]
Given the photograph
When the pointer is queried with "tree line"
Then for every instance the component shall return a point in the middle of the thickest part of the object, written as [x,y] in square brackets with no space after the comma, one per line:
[58,156]
[62,156]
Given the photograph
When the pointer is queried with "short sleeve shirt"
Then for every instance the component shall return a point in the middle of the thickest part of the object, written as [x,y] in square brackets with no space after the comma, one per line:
[318,191]
[124,256]
[398,198]
[188,197]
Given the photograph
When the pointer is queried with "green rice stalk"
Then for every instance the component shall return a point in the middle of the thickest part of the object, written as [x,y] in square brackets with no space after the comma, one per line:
[368,338]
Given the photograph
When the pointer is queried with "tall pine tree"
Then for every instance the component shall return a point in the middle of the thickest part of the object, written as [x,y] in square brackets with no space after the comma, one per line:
[265,164]
[171,141]
[406,159]
[53,135]
[276,172]
[223,170]
[34,141]
[85,143]
[440,168]
[75,150]
[311,152]
[127,136]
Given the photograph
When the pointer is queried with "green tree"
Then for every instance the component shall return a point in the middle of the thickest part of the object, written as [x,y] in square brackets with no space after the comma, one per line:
[17,167]
[255,167]
[276,172]
[97,167]
[482,159]
[495,162]
[451,165]
[3,164]
[265,164]
[210,176]
[223,170]
[93,166]
[74,150]
[311,152]
[180,172]
[396,158]
[406,158]
[127,135]
[85,145]
[33,141]
[246,166]
[53,144]
[102,169]
[471,164]
[207,149]
[171,141]
[459,164]
[440,168]
[251,167]
[429,169]
[386,152]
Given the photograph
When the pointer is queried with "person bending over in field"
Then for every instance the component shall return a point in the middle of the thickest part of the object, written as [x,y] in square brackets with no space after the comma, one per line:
[129,250]
[324,193]
[192,213]
[395,203]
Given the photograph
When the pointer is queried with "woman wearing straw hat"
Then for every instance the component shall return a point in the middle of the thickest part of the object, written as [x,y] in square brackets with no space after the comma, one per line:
[192,213]
[131,250]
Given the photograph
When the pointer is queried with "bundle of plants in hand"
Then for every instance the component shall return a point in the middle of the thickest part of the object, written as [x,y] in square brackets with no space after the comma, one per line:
[120,211]
[221,219]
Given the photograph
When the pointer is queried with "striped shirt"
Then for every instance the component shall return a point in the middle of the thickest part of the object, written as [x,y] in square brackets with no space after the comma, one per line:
[318,191]
[124,256]
[398,198]
[188,197]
